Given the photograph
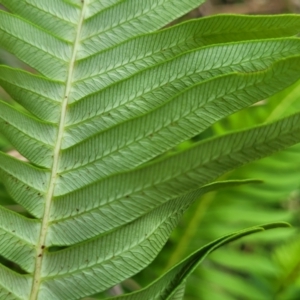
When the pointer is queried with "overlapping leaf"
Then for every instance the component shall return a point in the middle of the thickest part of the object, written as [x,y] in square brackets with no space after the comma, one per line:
[170,284]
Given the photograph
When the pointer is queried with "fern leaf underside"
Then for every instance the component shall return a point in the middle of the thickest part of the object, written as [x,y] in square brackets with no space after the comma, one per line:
[108,95]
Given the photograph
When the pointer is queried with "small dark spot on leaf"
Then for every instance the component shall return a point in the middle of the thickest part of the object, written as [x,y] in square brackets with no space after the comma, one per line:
[43,247]
[40,255]
[77,209]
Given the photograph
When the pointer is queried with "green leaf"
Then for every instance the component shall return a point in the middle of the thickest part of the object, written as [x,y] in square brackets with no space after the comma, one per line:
[166,44]
[107,98]
[286,257]
[245,206]
[153,231]
[167,285]
[184,116]
[166,178]
[14,286]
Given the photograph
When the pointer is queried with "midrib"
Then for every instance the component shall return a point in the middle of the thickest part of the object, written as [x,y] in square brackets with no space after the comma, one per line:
[56,156]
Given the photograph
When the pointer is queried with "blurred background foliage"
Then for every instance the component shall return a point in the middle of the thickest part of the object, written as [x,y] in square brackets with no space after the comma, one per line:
[265,266]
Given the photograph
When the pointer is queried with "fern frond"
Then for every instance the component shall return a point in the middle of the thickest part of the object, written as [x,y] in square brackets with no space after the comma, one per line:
[241,207]
[109,97]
